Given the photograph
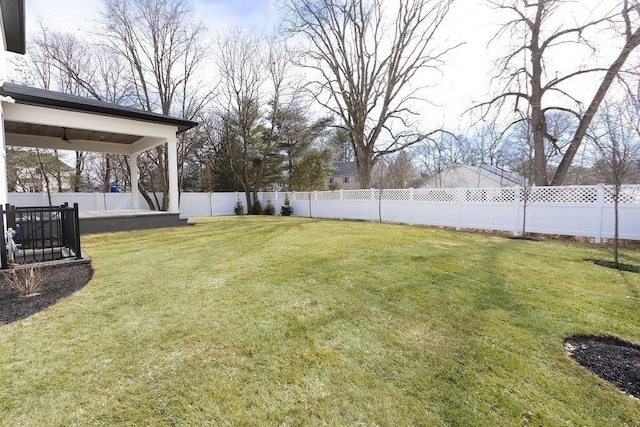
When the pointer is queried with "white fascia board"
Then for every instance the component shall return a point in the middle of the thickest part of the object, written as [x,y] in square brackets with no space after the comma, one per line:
[17,140]
[23,113]
[147,143]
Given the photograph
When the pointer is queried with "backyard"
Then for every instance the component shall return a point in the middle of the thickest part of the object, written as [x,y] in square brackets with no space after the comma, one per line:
[292,321]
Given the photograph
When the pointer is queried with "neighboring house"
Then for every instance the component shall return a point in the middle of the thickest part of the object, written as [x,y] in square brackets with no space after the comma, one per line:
[28,177]
[345,176]
[482,176]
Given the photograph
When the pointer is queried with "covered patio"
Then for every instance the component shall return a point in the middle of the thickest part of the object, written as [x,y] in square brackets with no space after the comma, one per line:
[31,229]
[40,118]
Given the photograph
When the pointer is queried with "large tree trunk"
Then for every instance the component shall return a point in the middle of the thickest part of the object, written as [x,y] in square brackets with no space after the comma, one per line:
[539,128]
[585,121]
[365,166]
[106,178]
[146,197]
[79,167]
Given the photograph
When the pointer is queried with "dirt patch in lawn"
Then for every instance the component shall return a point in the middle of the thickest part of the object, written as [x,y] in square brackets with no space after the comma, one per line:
[62,282]
[608,357]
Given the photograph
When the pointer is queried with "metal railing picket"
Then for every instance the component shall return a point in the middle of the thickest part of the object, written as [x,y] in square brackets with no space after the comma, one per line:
[42,233]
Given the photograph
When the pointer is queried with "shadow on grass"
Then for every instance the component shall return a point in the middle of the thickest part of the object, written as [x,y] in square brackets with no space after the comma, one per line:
[527,238]
[610,264]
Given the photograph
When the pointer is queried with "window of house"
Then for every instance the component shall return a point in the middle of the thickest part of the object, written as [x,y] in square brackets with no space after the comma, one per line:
[346,179]
[330,180]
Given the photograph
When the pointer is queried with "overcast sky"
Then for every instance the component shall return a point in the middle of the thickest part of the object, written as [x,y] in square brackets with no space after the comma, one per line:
[76,15]
[464,81]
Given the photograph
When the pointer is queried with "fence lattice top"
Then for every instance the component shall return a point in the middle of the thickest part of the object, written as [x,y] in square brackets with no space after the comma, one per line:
[629,194]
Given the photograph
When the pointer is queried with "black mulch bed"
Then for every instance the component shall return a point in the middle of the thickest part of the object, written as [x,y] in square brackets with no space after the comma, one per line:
[608,357]
[63,281]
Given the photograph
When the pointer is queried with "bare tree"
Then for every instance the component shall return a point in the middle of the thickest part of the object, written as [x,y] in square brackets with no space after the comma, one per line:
[81,68]
[536,32]
[522,161]
[398,172]
[162,45]
[488,144]
[615,134]
[242,75]
[444,152]
[366,55]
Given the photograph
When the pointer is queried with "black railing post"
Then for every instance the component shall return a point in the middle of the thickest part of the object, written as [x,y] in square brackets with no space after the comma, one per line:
[3,246]
[65,229]
[76,220]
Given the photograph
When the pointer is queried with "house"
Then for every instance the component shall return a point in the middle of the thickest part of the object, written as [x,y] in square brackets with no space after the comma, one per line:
[344,176]
[28,172]
[465,176]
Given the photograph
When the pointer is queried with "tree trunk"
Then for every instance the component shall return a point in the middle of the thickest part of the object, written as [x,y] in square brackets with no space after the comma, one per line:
[146,197]
[107,173]
[45,176]
[585,121]
[364,163]
[58,174]
[259,175]
[79,167]
[538,122]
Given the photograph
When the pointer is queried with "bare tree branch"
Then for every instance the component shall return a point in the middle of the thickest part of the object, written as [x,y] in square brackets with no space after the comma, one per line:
[365,54]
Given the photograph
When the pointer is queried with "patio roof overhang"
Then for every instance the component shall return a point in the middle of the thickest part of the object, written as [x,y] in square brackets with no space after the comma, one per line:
[41,119]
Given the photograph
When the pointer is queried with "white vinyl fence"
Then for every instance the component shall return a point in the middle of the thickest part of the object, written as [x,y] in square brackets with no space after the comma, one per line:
[85,201]
[575,211]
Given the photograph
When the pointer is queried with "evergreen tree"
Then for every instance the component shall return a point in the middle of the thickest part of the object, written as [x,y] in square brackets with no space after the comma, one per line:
[286,209]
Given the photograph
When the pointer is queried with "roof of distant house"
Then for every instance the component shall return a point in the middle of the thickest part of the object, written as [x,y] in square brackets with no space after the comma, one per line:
[47,156]
[491,173]
[348,168]
[502,174]
[64,101]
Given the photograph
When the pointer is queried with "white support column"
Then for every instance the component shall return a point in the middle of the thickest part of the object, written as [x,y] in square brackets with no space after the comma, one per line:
[4,189]
[172,158]
[135,176]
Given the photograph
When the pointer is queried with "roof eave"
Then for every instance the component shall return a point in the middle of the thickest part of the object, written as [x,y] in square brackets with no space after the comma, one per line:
[14,26]
[101,108]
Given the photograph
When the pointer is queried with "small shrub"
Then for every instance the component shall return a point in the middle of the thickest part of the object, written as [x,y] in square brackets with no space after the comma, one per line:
[286,209]
[27,281]
[238,209]
[256,208]
[269,209]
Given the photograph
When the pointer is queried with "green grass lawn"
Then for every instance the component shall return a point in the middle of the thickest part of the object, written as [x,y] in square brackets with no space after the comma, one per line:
[290,321]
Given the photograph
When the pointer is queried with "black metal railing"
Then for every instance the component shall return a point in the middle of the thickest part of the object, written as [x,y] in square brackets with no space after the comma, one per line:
[40,233]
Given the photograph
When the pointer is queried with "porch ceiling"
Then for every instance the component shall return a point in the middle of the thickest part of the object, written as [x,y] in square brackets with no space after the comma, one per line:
[71,133]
